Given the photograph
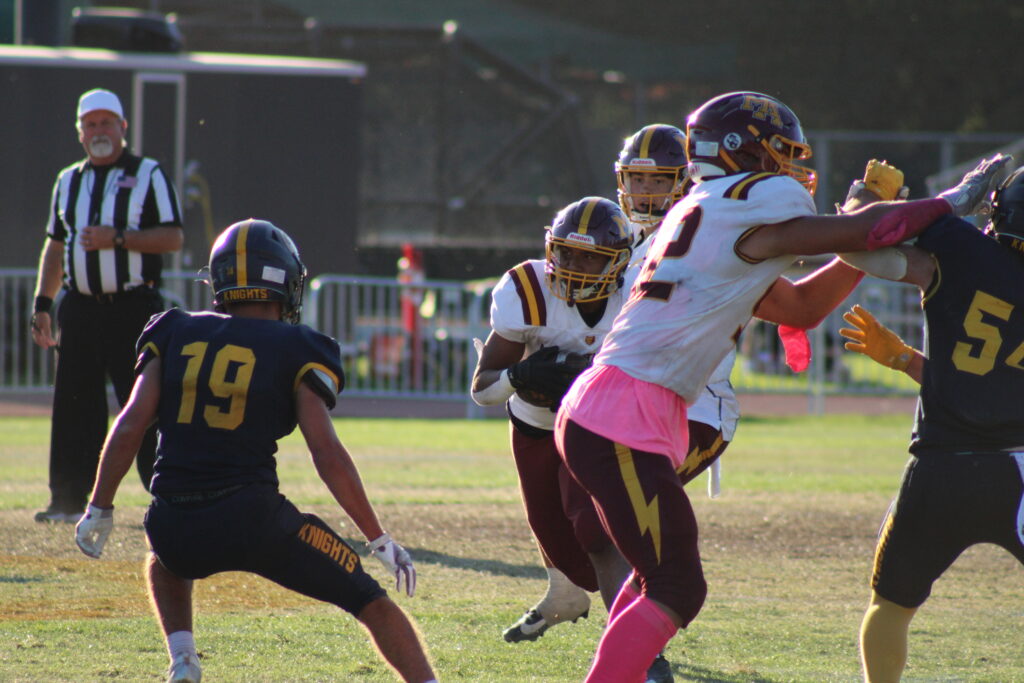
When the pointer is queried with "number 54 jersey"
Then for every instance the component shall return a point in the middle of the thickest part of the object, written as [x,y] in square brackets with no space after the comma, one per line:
[227,394]
[974,316]
[697,291]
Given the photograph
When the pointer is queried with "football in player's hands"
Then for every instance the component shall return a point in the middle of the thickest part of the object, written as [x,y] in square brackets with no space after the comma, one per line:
[543,378]
[532,376]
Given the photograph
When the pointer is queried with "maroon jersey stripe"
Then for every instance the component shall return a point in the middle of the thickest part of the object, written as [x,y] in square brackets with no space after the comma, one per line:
[741,190]
[531,294]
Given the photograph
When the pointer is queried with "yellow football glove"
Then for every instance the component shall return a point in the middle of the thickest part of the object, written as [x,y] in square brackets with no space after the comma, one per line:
[875,340]
[885,180]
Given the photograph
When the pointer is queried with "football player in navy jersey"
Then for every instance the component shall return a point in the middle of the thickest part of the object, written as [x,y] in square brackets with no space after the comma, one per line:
[963,483]
[224,387]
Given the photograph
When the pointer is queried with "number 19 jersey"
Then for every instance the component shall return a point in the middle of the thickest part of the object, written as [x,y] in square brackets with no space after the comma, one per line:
[697,290]
[227,394]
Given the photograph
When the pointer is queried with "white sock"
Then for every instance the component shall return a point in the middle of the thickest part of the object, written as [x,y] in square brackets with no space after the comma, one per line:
[563,600]
[181,643]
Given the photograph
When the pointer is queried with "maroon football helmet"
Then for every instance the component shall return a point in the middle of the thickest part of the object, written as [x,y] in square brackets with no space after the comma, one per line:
[597,227]
[747,131]
[655,150]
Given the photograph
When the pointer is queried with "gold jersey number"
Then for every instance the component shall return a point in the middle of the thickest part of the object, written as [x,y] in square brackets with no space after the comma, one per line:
[991,338]
[235,389]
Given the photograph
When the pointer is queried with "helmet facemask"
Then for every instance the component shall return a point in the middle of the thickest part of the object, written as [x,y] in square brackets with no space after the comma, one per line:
[576,286]
[646,208]
[655,150]
[785,153]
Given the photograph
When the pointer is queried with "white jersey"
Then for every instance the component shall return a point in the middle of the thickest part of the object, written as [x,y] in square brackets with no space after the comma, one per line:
[716,405]
[696,292]
[524,310]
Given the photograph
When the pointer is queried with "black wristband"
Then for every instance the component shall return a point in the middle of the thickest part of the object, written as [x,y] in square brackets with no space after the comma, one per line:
[42,304]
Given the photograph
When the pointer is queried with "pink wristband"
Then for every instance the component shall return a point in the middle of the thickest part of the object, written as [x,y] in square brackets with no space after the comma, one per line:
[905,222]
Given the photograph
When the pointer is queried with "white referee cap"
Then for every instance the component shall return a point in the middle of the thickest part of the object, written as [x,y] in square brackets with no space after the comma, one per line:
[99,99]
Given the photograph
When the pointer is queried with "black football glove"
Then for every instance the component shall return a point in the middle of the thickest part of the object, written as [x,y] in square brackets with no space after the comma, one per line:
[566,373]
[541,379]
[532,372]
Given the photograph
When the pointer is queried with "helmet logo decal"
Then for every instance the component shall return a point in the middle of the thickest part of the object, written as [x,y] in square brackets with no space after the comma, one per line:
[272,274]
[763,109]
[247,294]
[581,238]
[642,162]
[732,141]
[705,148]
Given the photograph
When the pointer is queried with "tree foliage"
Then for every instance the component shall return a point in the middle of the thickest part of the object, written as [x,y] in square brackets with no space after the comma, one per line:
[865,64]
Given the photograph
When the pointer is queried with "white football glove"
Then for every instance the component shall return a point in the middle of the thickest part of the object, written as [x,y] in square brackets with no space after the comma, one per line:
[93,530]
[396,560]
[973,194]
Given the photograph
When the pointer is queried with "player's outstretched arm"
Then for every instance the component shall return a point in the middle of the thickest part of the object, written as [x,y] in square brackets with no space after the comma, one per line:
[873,227]
[333,462]
[805,303]
[338,471]
[119,451]
[973,194]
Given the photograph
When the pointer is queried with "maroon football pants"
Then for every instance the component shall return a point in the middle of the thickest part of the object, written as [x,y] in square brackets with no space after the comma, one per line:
[560,513]
[642,506]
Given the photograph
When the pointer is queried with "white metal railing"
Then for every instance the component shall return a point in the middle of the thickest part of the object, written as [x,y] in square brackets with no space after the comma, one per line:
[400,340]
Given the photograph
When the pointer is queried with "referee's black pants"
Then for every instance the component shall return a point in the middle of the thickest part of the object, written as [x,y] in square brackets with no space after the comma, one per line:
[96,339]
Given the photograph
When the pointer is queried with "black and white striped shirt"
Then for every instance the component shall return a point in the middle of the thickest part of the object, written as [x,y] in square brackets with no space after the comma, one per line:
[131,194]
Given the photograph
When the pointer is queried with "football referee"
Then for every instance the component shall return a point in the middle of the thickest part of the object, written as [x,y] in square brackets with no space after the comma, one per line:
[111,217]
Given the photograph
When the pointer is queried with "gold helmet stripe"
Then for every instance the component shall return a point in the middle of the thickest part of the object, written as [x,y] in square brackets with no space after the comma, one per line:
[646,142]
[240,259]
[585,218]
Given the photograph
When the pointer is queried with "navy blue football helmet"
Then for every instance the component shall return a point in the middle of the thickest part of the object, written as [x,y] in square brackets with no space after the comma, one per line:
[1007,222]
[254,260]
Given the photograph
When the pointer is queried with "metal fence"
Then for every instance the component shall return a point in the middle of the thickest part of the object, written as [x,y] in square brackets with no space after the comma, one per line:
[416,341]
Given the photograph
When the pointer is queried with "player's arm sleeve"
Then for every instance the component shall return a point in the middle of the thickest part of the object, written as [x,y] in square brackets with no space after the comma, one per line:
[321,370]
[154,337]
[888,263]
[507,306]
[766,202]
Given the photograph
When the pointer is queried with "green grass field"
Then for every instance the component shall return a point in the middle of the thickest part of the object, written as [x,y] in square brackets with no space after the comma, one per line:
[787,550]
